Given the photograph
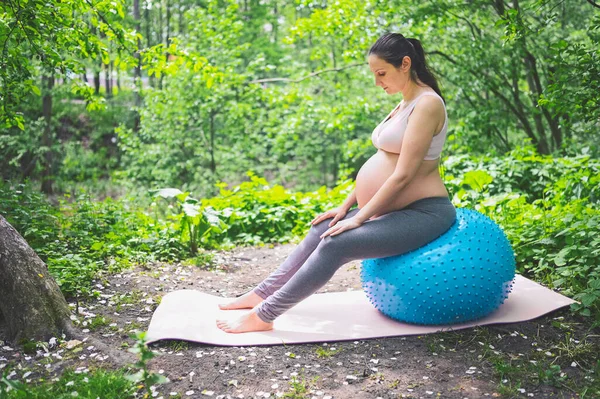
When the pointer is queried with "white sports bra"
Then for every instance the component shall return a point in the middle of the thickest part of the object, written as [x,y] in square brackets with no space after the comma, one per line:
[388,134]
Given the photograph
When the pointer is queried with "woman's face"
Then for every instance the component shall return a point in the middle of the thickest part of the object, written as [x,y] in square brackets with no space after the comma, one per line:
[392,80]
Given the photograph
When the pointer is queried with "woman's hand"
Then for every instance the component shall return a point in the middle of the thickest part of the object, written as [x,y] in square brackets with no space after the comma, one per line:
[344,225]
[336,213]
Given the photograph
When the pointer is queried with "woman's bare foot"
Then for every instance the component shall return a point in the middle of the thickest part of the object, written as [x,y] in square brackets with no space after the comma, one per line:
[245,323]
[246,301]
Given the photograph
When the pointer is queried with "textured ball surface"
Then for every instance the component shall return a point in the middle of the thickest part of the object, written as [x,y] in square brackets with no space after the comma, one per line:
[463,275]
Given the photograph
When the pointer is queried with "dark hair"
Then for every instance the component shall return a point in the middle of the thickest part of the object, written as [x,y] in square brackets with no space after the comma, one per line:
[393,47]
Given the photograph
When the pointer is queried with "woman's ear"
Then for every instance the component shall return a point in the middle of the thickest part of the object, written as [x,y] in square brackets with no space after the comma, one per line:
[406,63]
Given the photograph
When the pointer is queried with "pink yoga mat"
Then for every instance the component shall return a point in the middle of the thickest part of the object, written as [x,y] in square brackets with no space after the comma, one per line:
[338,316]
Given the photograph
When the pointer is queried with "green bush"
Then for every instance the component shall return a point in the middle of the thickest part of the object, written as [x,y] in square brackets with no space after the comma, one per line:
[525,172]
[82,239]
[28,211]
[256,213]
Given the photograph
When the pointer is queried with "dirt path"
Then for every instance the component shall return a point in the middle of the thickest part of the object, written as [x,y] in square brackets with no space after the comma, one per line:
[511,360]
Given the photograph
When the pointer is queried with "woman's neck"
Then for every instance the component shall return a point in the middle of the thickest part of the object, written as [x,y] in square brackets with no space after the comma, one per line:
[413,92]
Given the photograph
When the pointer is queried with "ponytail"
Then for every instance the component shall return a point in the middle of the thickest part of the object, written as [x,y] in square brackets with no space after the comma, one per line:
[393,47]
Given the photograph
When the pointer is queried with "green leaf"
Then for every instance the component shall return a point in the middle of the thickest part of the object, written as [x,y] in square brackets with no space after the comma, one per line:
[168,192]
[136,377]
[560,261]
[588,299]
[183,197]
[157,379]
[190,210]
[212,217]
[477,179]
[585,312]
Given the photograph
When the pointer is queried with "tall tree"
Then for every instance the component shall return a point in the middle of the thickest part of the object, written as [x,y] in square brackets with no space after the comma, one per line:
[137,76]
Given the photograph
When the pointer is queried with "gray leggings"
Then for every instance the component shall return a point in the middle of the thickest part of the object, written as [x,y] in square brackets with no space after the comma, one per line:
[314,261]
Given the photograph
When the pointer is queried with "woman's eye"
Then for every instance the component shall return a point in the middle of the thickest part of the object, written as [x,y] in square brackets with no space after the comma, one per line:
[382,74]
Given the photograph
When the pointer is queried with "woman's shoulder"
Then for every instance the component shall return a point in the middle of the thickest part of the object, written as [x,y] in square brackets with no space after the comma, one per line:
[430,106]
[430,93]
[429,100]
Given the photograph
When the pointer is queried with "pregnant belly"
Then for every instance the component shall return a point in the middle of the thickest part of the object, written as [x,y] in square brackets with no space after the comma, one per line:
[373,174]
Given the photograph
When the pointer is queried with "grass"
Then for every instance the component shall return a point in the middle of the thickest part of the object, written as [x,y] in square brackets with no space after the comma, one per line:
[378,377]
[203,261]
[129,298]
[97,322]
[177,346]
[97,384]
[326,352]
[134,325]
[394,384]
[300,388]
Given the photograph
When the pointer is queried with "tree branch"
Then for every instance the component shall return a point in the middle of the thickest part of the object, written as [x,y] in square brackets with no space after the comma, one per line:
[289,80]
[40,52]
[593,3]
[6,43]
[471,26]
[504,141]
[117,34]
[519,113]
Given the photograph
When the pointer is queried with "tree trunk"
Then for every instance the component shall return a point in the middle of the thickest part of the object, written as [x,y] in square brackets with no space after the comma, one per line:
[213,165]
[138,68]
[97,80]
[160,33]
[181,11]
[107,80]
[95,71]
[168,39]
[149,43]
[276,22]
[48,158]
[32,304]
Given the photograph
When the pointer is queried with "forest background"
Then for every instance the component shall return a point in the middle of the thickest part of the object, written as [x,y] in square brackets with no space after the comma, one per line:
[133,131]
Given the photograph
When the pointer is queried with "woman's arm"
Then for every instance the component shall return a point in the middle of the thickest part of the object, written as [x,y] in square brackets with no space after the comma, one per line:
[350,200]
[417,139]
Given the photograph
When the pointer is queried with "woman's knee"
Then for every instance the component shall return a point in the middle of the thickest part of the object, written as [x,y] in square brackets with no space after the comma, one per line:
[339,244]
[321,227]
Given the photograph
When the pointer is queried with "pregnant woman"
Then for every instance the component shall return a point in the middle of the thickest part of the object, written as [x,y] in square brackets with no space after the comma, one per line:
[402,201]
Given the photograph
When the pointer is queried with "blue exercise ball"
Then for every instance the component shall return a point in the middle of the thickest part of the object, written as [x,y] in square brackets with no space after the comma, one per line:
[463,275]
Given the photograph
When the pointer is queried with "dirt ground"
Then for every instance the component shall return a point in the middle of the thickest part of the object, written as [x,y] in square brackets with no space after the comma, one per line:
[509,360]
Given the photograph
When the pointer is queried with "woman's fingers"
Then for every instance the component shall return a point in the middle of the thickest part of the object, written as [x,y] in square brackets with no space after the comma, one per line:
[319,218]
[331,231]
